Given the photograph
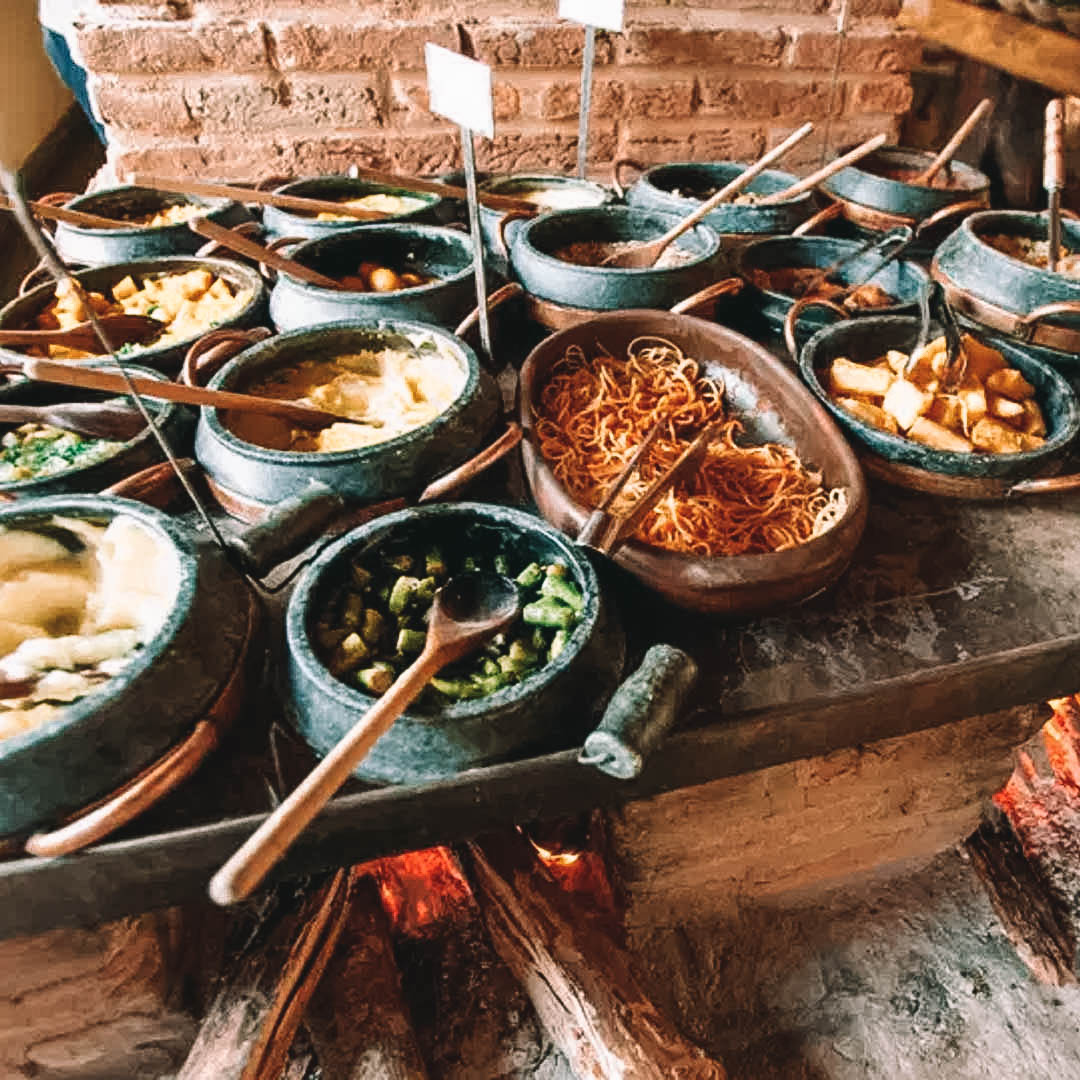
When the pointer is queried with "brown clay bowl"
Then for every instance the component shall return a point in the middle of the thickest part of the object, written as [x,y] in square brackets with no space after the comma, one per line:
[773,405]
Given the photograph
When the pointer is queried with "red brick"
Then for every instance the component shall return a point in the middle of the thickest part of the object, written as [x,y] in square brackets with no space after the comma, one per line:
[887,9]
[785,7]
[843,133]
[693,142]
[350,46]
[521,151]
[660,99]
[887,95]
[235,159]
[863,50]
[141,105]
[161,48]
[675,45]
[560,100]
[535,44]
[748,98]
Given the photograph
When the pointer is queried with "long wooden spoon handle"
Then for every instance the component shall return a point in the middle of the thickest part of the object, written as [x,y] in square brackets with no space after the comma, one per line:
[962,132]
[243,245]
[451,191]
[95,379]
[746,177]
[815,178]
[249,865]
[71,217]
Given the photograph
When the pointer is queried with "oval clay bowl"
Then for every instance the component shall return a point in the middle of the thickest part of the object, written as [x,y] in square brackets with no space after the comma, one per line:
[602,288]
[20,313]
[774,406]
[670,189]
[281,222]
[130,457]
[866,340]
[545,709]
[429,249]
[97,247]
[395,467]
[865,184]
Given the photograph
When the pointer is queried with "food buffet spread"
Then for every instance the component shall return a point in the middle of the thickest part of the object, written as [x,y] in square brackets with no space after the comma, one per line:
[823,442]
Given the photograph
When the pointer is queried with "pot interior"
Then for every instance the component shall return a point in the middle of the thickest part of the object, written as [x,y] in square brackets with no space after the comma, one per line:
[135,202]
[693,180]
[550,192]
[903,165]
[342,188]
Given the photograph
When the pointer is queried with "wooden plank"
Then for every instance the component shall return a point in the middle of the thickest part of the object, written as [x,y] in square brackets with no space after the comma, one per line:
[1015,45]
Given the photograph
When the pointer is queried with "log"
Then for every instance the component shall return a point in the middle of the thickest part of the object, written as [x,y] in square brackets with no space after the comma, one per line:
[248,1030]
[579,979]
[358,1020]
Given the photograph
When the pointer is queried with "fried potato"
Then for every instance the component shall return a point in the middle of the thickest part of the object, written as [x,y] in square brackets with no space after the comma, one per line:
[948,412]
[1034,423]
[1005,409]
[981,359]
[870,414]
[1008,382]
[906,402]
[972,396]
[850,379]
[896,360]
[998,438]
[125,289]
[929,433]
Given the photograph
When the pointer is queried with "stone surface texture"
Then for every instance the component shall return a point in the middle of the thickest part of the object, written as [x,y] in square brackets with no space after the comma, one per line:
[239,89]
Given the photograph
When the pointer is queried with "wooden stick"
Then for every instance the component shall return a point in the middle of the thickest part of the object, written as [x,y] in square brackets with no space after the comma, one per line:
[984,108]
[95,379]
[250,249]
[815,178]
[71,217]
[451,191]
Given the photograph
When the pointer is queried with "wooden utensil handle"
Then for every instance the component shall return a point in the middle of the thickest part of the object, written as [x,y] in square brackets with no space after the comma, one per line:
[244,245]
[949,149]
[437,187]
[1054,146]
[93,379]
[457,478]
[71,217]
[815,178]
[250,864]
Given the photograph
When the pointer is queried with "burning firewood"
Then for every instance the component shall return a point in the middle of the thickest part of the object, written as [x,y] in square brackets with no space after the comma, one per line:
[579,979]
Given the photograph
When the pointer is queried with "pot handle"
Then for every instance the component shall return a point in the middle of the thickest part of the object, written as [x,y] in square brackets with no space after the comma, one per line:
[707,297]
[1048,485]
[54,199]
[138,795]
[494,301]
[616,174]
[214,350]
[1025,326]
[289,528]
[502,229]
[822,217]
[946,213]
[212,247]
[156,485]
[796,311]
[280,244]
[268,183]
[450,482]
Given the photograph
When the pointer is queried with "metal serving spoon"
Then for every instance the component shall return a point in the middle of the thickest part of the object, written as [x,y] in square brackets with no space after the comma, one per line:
[468,610]
[128,329]
[95,420]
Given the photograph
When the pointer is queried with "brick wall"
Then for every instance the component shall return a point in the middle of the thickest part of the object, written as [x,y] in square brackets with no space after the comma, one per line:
[235,89]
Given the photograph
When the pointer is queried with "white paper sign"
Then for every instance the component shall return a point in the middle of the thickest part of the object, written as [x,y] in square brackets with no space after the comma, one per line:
[607,14]
[460,89]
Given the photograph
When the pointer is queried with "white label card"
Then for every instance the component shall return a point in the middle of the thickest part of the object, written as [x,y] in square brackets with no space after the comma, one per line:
[607,14]
[460,89]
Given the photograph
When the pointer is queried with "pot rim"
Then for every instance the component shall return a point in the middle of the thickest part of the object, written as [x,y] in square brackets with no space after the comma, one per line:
[298,614]
[363,187]
[394,229]
[736,571]
[646,178]
[85,202]
[498,185]
[977,224]
[237,273]
[946,462]
[166,531]
[163,413]
[362,455]
[907,154]
[524,236]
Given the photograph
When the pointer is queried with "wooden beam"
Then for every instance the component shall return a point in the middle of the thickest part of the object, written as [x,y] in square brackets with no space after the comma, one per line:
[358,1020]
[579,979]
[1017,46]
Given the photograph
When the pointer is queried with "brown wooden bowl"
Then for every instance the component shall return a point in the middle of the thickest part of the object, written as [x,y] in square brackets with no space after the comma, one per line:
[765,393]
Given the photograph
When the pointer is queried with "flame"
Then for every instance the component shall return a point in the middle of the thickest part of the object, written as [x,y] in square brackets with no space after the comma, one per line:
[421,890]
[555,858]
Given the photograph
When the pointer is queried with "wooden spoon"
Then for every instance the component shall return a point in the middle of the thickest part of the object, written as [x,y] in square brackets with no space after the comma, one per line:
[468,610]
[815,178]
[926,177]
[95,420]
[95,379]
[126,329]
[72,217]
[645,255]
[243,245]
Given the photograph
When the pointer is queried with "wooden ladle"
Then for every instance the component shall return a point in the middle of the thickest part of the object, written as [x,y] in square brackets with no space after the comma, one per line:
[122,328]
[645,255]
[468,610]
[926,177]
[95,379]
[94,420]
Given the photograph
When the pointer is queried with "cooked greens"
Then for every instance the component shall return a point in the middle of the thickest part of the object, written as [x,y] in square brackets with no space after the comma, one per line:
[32,451]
